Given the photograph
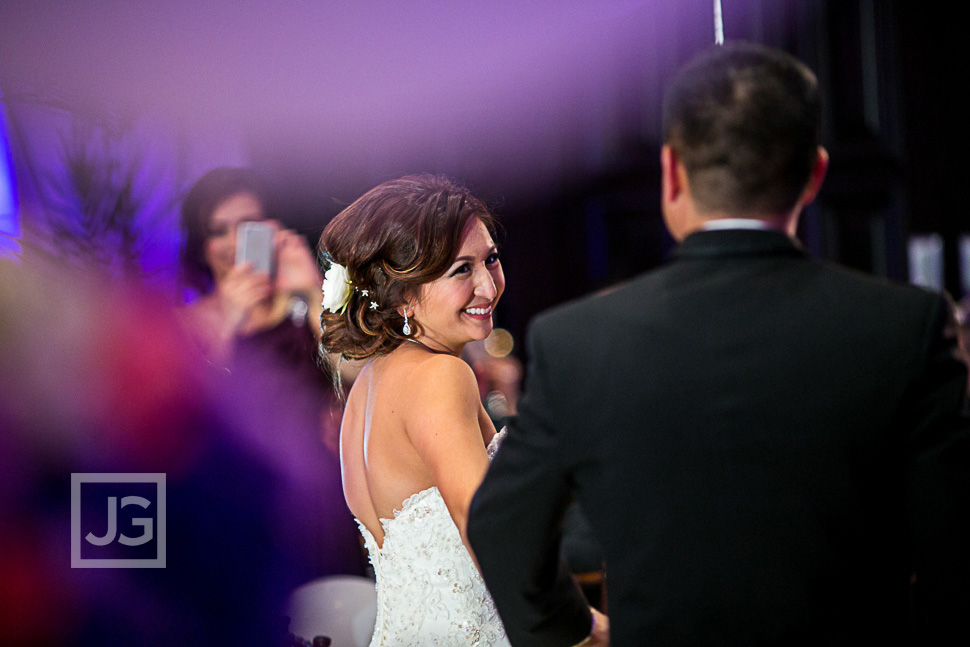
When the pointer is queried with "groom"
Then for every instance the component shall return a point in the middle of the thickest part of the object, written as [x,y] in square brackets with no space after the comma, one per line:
[768,447]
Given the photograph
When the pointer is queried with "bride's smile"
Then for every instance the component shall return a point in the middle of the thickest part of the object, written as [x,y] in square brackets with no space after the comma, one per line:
[457,308]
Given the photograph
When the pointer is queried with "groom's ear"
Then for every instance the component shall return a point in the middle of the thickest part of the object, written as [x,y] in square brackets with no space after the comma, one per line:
[668,174]
[675,196]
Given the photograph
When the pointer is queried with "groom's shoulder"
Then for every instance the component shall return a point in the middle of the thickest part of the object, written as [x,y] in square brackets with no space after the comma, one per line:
[863,295]
[600,309]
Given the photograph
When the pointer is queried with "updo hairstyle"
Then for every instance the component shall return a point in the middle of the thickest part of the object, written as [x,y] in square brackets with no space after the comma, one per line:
[392,240]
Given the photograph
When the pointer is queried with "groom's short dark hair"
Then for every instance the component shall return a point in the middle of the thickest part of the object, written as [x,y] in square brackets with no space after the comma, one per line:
[744,121]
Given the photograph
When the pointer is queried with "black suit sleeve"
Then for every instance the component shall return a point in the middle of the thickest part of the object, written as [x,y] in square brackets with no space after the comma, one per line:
[515,524]
[938,484]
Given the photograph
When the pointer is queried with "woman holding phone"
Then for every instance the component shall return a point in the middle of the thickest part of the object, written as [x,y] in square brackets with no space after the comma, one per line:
[259,332]
[236,300]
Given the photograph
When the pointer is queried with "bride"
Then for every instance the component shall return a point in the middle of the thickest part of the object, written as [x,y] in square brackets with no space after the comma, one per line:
[413,276]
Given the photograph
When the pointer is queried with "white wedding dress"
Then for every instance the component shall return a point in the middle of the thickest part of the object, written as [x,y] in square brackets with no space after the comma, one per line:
[429,591]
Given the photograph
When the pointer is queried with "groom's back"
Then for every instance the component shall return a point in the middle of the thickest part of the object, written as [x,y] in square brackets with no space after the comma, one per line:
[766,446]
[739,445]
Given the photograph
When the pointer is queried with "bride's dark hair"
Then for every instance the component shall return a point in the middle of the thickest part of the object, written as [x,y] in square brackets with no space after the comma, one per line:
[393,239]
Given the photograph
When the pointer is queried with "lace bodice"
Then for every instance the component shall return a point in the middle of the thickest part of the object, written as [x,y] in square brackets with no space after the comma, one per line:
[429,591]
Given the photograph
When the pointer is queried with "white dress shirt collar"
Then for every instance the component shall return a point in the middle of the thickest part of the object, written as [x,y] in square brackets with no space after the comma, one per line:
[737,223]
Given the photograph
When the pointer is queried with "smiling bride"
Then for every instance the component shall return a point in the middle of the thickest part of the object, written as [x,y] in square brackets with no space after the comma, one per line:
[414,275]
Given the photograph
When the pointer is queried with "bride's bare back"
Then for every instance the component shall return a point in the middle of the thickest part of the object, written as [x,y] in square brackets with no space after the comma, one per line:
[413,420]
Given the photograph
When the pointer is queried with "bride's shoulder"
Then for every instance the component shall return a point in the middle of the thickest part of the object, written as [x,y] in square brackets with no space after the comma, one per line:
[415,361]
[433,376]
[443,370]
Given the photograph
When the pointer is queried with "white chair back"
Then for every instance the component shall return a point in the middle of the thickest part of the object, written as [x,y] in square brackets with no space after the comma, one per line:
[343,607]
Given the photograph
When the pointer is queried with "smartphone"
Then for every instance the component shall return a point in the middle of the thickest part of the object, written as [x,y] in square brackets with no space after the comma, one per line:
[254,244]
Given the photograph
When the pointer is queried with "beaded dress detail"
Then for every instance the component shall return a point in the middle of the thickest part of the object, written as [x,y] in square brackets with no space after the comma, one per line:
[428,589]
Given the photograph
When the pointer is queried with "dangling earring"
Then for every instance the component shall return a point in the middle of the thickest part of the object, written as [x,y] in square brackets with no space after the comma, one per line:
[407,327]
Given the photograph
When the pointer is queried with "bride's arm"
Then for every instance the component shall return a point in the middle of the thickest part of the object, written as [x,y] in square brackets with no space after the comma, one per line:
[442,423]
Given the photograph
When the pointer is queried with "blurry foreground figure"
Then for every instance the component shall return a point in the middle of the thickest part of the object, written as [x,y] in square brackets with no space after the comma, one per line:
[772,447]
[105,385]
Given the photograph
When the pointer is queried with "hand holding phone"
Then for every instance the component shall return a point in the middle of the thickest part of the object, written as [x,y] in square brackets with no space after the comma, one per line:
[296,267]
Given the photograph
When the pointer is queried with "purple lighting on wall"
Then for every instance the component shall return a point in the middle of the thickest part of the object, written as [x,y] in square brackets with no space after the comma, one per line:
[9,224]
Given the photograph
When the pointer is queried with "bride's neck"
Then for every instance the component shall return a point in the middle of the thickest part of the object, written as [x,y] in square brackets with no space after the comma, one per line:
[436,347]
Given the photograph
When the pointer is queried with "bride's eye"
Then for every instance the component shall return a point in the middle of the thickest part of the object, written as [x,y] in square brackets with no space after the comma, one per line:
[492,258]
[461,269]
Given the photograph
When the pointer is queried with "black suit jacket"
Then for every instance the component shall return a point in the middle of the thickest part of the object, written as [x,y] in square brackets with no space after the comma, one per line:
[767,446]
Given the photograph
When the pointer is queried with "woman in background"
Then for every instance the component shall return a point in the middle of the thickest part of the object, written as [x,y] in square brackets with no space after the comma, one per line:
[261,334]
[235,301]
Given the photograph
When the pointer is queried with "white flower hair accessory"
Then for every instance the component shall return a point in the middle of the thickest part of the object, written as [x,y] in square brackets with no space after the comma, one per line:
[336,289]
